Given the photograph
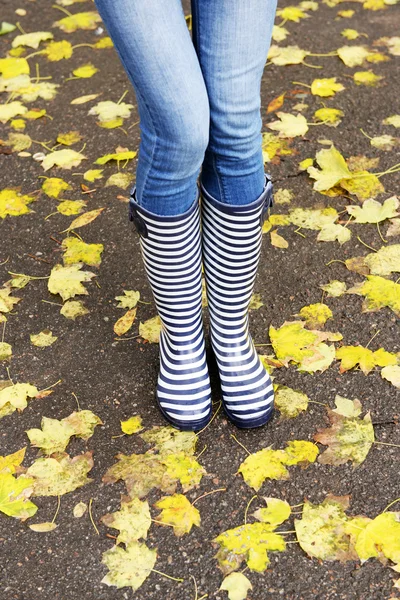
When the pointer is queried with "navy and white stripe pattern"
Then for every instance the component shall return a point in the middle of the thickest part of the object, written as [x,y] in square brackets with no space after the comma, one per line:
[171,252]
[232,237]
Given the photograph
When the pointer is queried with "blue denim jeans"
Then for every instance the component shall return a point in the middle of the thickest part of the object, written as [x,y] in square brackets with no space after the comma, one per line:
[198,96]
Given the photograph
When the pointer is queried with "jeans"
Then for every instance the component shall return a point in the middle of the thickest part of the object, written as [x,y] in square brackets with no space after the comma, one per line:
[198,97]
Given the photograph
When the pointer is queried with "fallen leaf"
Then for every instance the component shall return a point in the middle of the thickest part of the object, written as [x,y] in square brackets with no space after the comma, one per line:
[177,511]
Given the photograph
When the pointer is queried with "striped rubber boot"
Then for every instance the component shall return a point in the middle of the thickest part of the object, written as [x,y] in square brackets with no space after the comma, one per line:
[232,237]
[171,252]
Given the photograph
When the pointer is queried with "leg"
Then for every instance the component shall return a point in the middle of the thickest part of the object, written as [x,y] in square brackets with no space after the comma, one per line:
[232,39]
[156,51]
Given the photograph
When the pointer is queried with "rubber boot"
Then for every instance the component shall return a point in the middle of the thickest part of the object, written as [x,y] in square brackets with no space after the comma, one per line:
[171,252]
[231,240]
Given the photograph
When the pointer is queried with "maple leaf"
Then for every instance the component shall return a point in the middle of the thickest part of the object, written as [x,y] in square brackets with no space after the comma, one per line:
[351,356]
[333,169]
[10,463]
[67,281]
[271,464]
[83,20]
[353,56]
[373,211]
[185,468]
[334,288]
[12,500]
[316,315]
[13,203]
[133,520]
[77,251]
[169,440]
[43,339]
[129,567]
[320,531]
[331,116]
[326,87]
[251,543]
[132,425]
[59,474]
[66,158]
[141,473]
[379,292]
[150,330]
[237,585]
[380,538]
[348,438]
[15,397]
[276,512]
[392,374]
[177,511]
[289,402]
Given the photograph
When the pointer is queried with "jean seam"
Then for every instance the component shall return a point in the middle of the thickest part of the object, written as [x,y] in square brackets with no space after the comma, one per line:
[219,179]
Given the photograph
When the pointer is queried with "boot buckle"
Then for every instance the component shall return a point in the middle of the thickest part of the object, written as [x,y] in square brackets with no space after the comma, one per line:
[137,219]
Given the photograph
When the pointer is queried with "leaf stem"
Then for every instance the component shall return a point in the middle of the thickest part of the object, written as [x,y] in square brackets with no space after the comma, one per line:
[167,576]
[375,334]
[366,245]
[388,444]
[240,444]
[57,509]
[391,504]
[247,508]
[91,516]
[208,494]
[212,419]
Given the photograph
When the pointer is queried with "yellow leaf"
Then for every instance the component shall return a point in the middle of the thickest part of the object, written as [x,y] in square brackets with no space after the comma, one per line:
[353,56]
[109,111]
[53,186]
[32,40]
[373,211]
[70,138]
[60,475]
[9,463]
[116,156]
[289,125]
[85,219]
[350,34]
[320,531]
[122,180]
[132,425]
[85,71]
[66,158]
[83,20]
[384,142]
[67,281]
[346,14]
[366,78]
[129,567]
[316,315]
[349,438]
[237,585]
[331,116]
[93,174]
[277,240]
[282,196]
[79,510]
[333,169]
[326,87]
[10,110]
[380,536]
[125,322]
[12,67]
[291,55]
[276,512]
[392,374]
[150,330]
[290,403]
[73,308]
[333,232]
[363,184]
[185,468]
[291,13]
[366,358]
[379,292]
[279,33]
[334,288]
[76,250]
[313,218]
[56,51]
[13,203]
[304,164]
[177,511]
[133,520]
[249,542]
[84,99]
[130,299]
[42,339]
[393,120]
[13,502]
[71,207]
[43,527]
[270,464]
